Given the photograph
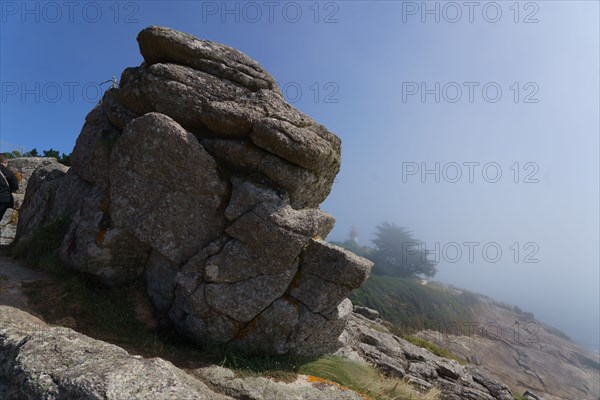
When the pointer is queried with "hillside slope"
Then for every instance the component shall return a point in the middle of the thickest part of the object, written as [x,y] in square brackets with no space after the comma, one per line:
[499,339]
[525,354]
[412,306]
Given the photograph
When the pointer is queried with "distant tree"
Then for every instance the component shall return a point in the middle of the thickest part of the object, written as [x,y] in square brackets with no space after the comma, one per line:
[65,159]
[32,153]
[397,253]
[51,153]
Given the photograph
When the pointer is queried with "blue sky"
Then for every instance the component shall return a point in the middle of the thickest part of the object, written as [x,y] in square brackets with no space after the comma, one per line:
[510,88]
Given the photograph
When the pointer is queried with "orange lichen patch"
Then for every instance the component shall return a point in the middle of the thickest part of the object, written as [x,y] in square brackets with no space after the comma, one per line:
[14,218]
[316,379]
[251,326]
[317,237]
[320,381]
[19,176]
[100,236]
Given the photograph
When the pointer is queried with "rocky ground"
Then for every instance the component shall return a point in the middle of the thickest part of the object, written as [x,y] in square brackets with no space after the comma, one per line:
[44,361]
[12,277]
[524,353]
[41,361]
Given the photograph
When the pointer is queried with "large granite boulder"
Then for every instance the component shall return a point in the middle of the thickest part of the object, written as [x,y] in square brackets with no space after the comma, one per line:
[198,177]
[23,168]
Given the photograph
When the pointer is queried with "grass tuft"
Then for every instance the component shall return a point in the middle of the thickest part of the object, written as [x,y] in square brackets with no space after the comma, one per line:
[42,244]
[363,379]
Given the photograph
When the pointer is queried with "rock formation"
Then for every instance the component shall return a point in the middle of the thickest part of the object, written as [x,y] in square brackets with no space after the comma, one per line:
[370,340]
[23,167]
[42,361]
[198,177]
[38,361]
[525,354]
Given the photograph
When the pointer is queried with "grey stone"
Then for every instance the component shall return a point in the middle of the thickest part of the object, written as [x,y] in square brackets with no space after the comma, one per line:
[243,301]
[160,276]
[305,188]
[23,168]
[327,275]
[371,341]
[314,149]
[366,312]
[497,389]
[529,395]
[197,176]
[90,159]
[38,205]
[262,388]
[90,245]
[38,361]
[245,195]
[159,44]
[170,205]
[118,114]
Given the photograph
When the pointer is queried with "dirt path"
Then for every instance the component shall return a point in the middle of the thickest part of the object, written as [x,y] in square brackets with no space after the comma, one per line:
[12,277]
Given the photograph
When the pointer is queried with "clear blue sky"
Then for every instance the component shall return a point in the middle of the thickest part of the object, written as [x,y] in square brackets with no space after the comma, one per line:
[361,68]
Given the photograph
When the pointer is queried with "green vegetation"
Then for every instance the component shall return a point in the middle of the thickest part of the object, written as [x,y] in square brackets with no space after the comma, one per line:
[39,249]
[397,253]
[393,290]
[64,159]
[412,306]
[363,379]
[517,396]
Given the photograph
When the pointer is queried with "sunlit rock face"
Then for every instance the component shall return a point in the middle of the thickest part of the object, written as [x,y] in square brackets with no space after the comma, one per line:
[23,168]
[197,176]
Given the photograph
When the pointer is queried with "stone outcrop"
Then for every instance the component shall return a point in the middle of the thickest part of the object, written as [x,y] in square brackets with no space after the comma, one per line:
[23,168]
[526,354]
[38,361]
[196,176]
[371,341]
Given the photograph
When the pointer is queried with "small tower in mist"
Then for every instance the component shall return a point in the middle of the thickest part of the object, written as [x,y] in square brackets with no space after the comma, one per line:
[354,234]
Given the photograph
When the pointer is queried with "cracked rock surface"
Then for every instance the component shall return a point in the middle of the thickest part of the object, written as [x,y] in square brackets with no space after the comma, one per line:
[198,177]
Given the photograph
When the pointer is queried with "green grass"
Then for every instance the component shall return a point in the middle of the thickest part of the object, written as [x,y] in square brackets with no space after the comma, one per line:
[412,306]
[40,247]
[364,379]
